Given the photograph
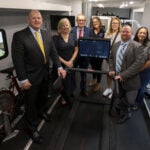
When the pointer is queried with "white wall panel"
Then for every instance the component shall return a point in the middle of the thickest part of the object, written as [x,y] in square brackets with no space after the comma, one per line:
[33,4]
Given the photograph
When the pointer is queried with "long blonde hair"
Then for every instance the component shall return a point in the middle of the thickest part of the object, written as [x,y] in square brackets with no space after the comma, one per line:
[110,30]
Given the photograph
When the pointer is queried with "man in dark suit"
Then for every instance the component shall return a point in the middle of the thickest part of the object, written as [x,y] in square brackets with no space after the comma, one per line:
[132,59]
[32,68]
[82,31]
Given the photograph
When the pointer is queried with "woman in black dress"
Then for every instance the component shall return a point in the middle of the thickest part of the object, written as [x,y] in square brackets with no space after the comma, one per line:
[66,46]
[96,63]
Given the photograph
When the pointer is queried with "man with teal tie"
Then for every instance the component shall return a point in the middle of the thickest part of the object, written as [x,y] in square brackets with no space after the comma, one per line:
[126,60]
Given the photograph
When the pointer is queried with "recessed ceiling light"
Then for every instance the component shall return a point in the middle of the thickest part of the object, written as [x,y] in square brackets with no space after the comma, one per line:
[93,0]
[100,5]
[131,2]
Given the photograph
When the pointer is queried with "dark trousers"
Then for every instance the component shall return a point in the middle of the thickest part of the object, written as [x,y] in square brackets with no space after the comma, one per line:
[36,100]
[68,83]
[96,64]
[124,99]
[83,63]
[145,79]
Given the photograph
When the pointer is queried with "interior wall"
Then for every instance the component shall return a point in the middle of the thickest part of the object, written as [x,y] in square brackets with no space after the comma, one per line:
[50,5]
[145,19]
[87,9]
[138,16]
[76,7]
[11,22]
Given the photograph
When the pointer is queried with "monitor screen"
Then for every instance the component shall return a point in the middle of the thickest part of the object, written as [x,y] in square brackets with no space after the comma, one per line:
[54,19]
[94,47]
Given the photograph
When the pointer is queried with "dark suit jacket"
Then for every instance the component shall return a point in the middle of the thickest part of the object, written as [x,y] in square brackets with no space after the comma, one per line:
[28,58]
[133,60]
[86,31]
[82,61]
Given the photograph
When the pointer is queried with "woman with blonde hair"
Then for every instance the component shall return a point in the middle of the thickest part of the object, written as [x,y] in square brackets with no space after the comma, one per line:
[66,46]
[113,33]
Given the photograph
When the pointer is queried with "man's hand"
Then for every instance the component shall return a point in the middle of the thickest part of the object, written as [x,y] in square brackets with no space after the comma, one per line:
[118,77]
[26,85]
[62,72]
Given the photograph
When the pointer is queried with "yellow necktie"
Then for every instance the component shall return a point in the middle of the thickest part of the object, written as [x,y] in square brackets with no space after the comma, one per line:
[40,42]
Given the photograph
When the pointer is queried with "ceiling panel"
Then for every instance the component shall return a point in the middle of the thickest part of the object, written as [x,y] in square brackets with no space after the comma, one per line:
[105,3]
[118,3]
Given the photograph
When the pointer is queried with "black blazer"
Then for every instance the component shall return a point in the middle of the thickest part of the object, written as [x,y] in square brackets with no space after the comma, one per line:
[28,58]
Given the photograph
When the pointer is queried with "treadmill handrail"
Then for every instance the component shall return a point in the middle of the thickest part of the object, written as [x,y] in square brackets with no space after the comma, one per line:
[87,70]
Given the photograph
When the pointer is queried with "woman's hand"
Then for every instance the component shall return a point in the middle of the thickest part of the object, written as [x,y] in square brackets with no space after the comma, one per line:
[69,64]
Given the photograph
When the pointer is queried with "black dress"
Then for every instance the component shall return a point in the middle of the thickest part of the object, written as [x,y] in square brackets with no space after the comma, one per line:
[66,50]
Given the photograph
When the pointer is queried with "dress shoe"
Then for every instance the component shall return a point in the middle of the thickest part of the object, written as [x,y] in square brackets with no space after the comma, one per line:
[134,107]
[124,118]
[114,112]
[96,87]
[84,93]
[92,83]
[46,117]
[36,137]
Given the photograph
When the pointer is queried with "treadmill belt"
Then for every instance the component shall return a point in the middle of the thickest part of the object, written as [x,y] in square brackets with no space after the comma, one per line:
[133,134]
[88,126]
[85,129]
[91,128]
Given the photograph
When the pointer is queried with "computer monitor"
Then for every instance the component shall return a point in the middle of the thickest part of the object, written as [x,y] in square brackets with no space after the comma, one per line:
[94,47]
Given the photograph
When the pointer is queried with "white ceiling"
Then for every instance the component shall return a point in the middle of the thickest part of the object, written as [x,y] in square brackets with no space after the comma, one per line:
[119,3]
[105,3]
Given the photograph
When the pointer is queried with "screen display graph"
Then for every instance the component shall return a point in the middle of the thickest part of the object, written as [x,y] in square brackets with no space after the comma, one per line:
[94,47]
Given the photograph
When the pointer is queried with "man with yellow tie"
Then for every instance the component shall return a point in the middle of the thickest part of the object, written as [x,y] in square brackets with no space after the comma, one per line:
[31,48]
[40,42]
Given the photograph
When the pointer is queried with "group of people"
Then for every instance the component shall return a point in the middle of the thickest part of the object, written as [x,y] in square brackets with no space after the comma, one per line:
[32,48]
